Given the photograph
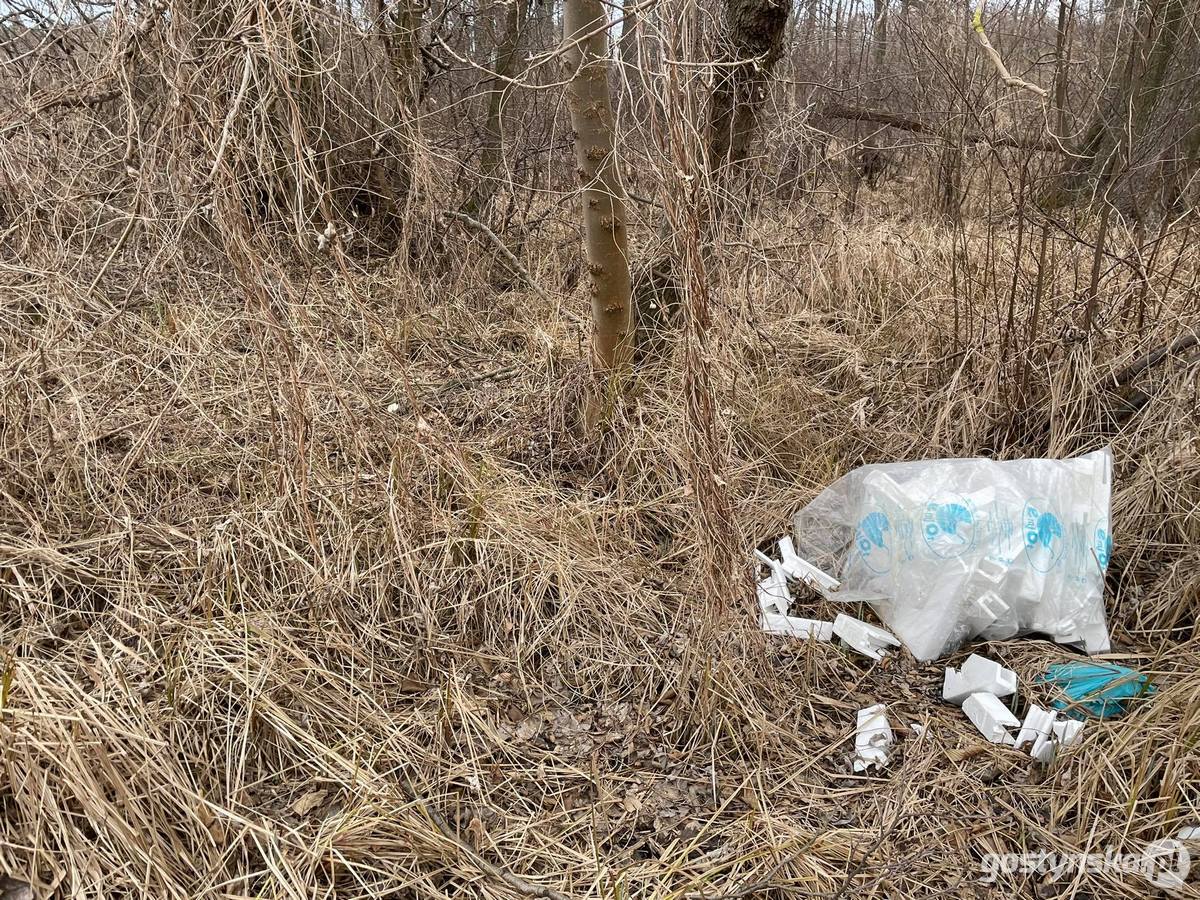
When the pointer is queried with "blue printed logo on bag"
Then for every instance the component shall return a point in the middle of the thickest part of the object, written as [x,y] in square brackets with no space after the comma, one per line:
[872,542]
[1044,543]
[949,526]
[1102,545]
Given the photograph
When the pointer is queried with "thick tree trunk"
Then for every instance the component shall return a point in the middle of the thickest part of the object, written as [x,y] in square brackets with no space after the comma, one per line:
[752,44]
[606,241]
[504,64]
[1123,117]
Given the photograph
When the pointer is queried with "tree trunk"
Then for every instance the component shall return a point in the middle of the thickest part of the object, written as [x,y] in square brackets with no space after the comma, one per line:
[879,39]
[504,64]
[606,241]
[398,24]
[1062,62]
[1122,120]
[627,46]
[752,43]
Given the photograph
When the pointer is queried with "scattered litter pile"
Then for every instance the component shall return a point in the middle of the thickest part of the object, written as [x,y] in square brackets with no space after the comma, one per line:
[979,684]
[774,600]
[977,687]
[946,550]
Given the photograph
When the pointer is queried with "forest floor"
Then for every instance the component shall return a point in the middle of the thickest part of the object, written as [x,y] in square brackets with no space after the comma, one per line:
[313,589]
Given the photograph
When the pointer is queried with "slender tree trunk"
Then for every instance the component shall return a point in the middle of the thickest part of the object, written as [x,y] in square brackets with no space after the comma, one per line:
[398,27]
[1062,61]
[606,241]
[627,46]
[752,44]
[504,64]
[879,34]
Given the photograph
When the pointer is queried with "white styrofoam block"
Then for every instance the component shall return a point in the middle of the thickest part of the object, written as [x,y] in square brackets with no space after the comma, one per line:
[1095,637]
[1067,731]
[1043,751]
[1068,634]
[1038,730]
[773,564]
[991,717]
[989,675]
[955,688]
[978,674]
[995,619]
[793,626]
[991,571]
[803,570]
[1046,732]
[1001,630]
[1038,724]
[773,594]
[985,610]
[864,637]
[872,738]
[787,550]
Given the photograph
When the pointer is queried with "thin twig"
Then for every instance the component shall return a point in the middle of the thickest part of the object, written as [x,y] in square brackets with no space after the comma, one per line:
[509,256]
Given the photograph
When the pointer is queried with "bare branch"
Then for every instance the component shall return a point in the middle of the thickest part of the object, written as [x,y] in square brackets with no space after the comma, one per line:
[1008,78]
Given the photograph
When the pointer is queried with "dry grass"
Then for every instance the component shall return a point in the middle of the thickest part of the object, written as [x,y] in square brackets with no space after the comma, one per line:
[309,587]
[262,632]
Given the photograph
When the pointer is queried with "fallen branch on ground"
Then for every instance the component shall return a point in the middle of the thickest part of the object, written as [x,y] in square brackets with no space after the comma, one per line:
[1149,360]
[906,123]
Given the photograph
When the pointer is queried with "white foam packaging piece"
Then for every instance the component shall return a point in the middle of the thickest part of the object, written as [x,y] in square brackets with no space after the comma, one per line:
[1037,730]
[1067,732]
[991,717]
[1045,733]
[793,626]
[977,674]
[803,570]
[773,593]
[872,738]
[863,636]
[950,549]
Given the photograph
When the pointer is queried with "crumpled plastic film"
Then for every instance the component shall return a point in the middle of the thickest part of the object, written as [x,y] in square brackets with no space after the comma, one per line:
[949,549]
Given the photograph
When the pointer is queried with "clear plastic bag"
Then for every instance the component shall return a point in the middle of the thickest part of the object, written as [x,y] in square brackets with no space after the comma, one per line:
[949,549]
